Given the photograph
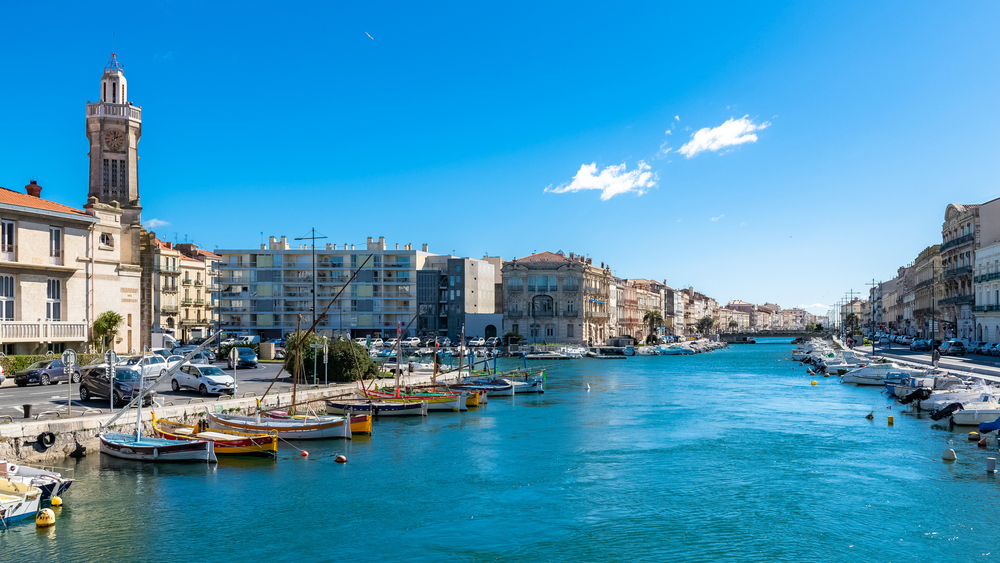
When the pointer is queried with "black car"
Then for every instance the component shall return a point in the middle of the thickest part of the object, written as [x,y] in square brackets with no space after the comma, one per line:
[920,346]
[952,348]
[44,373]
[246,358]
[128,381]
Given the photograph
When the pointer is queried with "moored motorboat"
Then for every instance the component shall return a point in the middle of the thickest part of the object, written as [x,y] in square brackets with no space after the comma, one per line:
[547,355]
[49,482]
[491,388]
[226,442]
[287,429]
[17,500]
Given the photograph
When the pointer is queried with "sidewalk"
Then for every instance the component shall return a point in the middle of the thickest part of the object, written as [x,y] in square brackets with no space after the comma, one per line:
[946,363]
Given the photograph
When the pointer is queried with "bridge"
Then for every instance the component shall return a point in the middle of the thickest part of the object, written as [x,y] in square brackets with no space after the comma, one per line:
[749,337]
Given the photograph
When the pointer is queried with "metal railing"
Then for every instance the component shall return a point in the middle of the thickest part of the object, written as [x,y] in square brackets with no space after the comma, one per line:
[986,308]
[169,289]
[105,109]
[959,271]
[168,309]
[958,241]
[987,277]
[957,300]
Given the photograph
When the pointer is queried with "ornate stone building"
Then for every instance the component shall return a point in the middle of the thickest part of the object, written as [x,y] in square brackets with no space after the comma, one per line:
[927,289]
[550,297]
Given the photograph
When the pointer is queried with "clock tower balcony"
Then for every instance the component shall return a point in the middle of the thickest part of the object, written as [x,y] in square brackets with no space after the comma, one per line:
[125,111]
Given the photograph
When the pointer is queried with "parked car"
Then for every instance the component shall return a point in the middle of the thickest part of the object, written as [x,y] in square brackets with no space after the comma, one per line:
[990,349]
[151,365]
[174,360]
[128,383]
[493,341]
[246,358]
[906,340]
[391,343]
[202,358]
[975,347]
[207,380]
[883,340]
[411,341]
[2,379]
[477,341]
[920,346]
[444,342]
[377,343]
[45,372]
[952,348]
[361,341]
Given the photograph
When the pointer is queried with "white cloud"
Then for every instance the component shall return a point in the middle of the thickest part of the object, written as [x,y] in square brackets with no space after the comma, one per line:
[814,306]
[154,223]
[612,181]
[731,133]
[743,224]
[715,219]
[669,132]
[664,150]
[679,220]
[677,117]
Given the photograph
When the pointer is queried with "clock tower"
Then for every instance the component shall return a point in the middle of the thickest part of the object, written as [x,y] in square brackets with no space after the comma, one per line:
[114,126]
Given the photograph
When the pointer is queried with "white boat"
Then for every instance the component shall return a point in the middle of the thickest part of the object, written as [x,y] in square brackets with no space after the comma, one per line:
[546,355]
[49,482]
[939,382]
[573,351]
[941,399]
[375,408]
[876,374]
[17,500]
[289,429]
[529,386]
[139,448]
[974,413]
[647,351]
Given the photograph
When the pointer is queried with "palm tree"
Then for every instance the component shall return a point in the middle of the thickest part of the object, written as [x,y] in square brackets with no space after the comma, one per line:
[705,324]
[733,325]
[106,329]
[654,319]
[853,322]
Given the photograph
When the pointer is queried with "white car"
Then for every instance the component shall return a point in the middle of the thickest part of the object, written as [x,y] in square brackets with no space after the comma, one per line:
[207,380]
[377,343]
[391,343]
[174,360]
[411,341]
[478,341]
[152,365]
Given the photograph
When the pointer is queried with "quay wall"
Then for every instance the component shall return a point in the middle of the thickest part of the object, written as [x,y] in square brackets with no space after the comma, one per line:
[77,436]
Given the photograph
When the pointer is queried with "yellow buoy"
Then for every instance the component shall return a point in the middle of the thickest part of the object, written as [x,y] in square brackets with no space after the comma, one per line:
[56,501]
[45,518]
[890,421]
[973,436]
[814,382]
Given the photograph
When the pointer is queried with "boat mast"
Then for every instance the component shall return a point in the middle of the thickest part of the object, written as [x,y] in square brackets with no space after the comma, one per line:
[138,411]
[298,359]
[461,352]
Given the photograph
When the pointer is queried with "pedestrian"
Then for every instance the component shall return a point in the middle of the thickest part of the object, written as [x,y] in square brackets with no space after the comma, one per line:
[935,356]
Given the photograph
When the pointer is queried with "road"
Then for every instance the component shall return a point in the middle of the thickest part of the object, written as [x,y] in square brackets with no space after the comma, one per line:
[52,399]
[970,362]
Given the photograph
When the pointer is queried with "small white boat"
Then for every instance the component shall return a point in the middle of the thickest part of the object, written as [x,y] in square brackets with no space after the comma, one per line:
[546,355]
[647,351]
[375,407]
[529,386]
[17,500]
[140,448]
[49,482]
[876,374]
[974,413]
[289,429]
[941,399]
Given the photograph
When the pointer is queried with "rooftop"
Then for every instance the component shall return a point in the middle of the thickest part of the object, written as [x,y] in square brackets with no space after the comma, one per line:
[21,199]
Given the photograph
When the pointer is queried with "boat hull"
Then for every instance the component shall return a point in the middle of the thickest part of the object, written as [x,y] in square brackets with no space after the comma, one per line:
[378,408]
[18,500]
[285,429]
[453,403]
[124,446]
[226,442]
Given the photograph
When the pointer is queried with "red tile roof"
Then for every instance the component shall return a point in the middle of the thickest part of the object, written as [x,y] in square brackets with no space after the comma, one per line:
[22,199]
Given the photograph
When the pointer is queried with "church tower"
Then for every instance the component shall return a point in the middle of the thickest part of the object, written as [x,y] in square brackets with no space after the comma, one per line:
[114,126]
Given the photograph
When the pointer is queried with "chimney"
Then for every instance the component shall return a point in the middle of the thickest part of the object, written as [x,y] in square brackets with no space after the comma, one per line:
[370,240]
[571,256]
[424,248]
[397,246]
[33,189]
[329,246]
[352,247]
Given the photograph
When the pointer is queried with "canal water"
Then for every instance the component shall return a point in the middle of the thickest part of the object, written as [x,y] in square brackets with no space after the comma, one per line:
[729,455]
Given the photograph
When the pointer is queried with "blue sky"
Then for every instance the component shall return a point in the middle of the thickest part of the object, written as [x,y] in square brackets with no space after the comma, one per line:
[846,128]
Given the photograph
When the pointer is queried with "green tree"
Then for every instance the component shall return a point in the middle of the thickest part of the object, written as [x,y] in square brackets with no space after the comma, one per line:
[705,324]
[347,360]
[105,329]
[733,325]
[853,322]
[512,338]
[654,319]
[819,327]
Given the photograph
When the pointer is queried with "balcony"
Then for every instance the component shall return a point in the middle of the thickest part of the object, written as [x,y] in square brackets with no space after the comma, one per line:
[541,314]
[187,281]
[958,241]
[52,331]
[923,284]
[199,283]
[591,290]
[168,309]
[571,313]
[166,269]
[169,289]
[186,302]
[193,321]
[987,277]
[959,271]
[598,315]
[104,109]
[514,314]
[199,302]
[957,300]
[923,312]
[518,287]
[986,308]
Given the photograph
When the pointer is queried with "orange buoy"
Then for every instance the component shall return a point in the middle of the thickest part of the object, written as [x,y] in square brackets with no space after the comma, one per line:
[982,443]
[340,459]
[305,453]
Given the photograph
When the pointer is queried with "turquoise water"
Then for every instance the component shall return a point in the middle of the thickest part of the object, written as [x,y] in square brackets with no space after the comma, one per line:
[728,455]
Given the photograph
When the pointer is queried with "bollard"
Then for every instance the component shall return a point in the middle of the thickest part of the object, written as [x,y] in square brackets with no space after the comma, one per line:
[27,410]
[890,421]
[991,465]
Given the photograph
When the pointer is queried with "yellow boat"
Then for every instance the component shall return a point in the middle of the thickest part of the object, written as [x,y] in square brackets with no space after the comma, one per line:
[227,442]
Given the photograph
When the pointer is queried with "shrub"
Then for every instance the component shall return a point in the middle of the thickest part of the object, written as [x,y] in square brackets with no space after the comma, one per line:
[14,364]
[223,353]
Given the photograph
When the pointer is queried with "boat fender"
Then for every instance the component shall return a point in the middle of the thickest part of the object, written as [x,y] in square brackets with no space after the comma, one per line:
[46,439]
[375,410]
[305,453]
[982,443]
[973,436]
[56,500]
[340,459]
[45,518]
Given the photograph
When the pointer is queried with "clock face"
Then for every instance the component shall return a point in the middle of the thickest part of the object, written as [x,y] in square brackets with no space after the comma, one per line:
[114,139]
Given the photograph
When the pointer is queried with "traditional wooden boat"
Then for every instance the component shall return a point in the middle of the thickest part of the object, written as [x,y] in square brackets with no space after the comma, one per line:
[227,442]
[376,407]
[491,388]
[49,482]
[17,500]
[361,423]
[137,447]
[435,401]
[288,429]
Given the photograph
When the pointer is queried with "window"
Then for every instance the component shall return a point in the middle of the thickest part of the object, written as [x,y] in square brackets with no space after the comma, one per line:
[114,176]
[552,283]
[451,281]
[104,94]
[514,329]
[114,93]
[121,178]
[55,245]
[452,294]
[550,330]
[569,306]
[354,261]
[106,240]
[7,298]
[458,293]
[7,240]
[569,330]
[53,300]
